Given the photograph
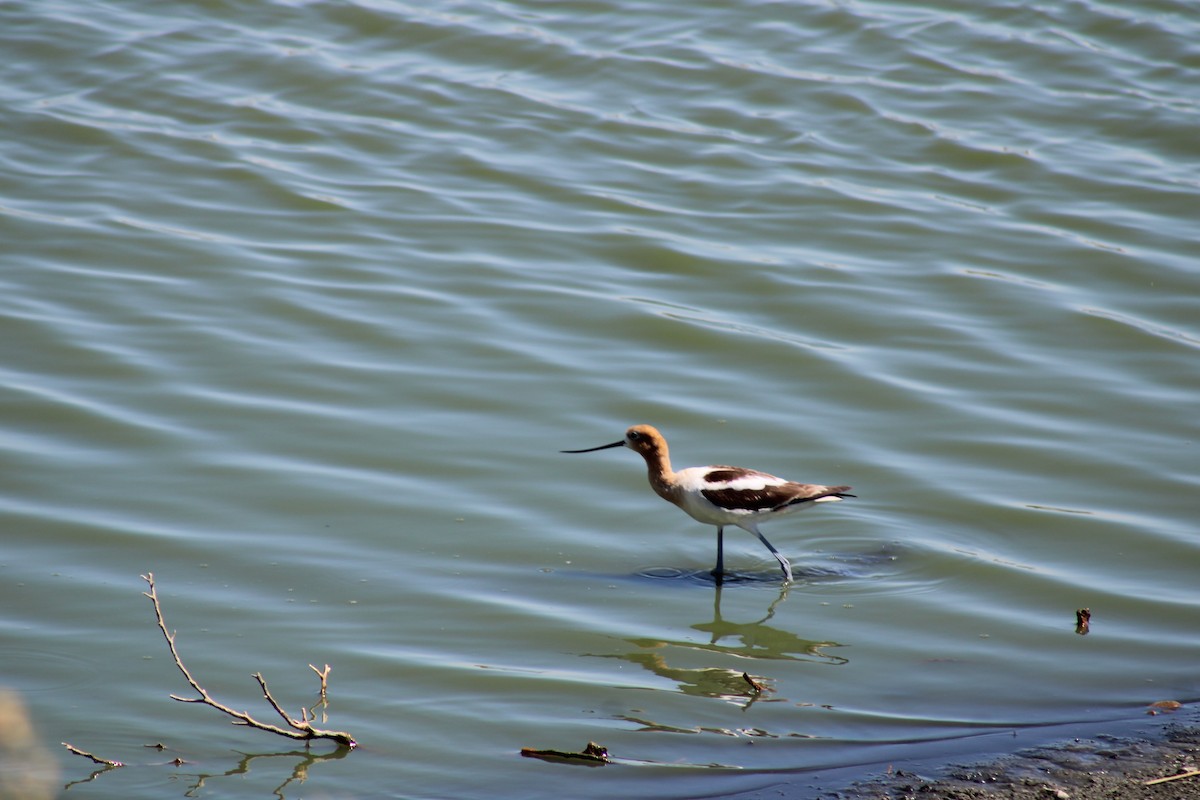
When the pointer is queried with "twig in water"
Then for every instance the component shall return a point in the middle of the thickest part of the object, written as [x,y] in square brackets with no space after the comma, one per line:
[297,728]
[106,762]
[323,674]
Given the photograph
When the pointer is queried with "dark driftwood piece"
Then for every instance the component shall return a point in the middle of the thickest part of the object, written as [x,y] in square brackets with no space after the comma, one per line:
[593,755]
[301,729]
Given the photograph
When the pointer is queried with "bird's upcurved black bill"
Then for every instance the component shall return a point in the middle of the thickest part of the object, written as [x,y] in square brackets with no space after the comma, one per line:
[593,449]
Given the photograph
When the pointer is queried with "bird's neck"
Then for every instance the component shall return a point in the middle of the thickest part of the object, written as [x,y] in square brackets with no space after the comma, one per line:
[658,467]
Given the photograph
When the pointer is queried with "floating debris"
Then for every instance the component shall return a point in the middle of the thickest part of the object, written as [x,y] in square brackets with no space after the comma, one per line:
[593,755]
[1164,707]
[1083,618]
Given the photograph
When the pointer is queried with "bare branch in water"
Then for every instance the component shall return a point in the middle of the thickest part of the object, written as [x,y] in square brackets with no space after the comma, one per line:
[301,729]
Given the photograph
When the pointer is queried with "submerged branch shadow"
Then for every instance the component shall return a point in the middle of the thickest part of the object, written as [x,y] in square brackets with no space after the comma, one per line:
[299,771]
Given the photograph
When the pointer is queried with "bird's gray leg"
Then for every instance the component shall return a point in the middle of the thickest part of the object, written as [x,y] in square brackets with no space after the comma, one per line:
[783,562]
[719,570]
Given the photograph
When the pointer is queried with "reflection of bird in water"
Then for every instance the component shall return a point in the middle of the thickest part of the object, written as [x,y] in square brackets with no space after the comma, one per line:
[698,681]
[755,641]
[721,495]
[762,641]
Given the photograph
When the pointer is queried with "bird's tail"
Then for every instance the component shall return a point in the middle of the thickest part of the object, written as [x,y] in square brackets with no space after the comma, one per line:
[825,494]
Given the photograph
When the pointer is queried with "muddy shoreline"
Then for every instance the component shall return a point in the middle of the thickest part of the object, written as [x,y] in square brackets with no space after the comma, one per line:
[1095,766]
[1101,768]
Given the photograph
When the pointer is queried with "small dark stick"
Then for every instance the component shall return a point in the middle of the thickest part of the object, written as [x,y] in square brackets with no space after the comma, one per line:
[592,755]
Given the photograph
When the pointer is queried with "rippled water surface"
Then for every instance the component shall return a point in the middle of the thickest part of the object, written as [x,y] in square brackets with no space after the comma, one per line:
[302,299]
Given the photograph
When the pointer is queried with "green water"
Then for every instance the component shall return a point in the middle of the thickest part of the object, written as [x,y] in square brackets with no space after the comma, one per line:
[301,301]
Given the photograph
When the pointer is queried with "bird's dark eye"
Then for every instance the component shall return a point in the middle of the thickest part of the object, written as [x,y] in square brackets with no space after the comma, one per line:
[634,436]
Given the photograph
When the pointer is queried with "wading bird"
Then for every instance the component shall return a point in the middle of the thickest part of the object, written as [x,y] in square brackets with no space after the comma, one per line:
[720,495]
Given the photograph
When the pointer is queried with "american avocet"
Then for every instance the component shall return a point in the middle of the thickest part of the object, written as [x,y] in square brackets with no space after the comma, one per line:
[721,495]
